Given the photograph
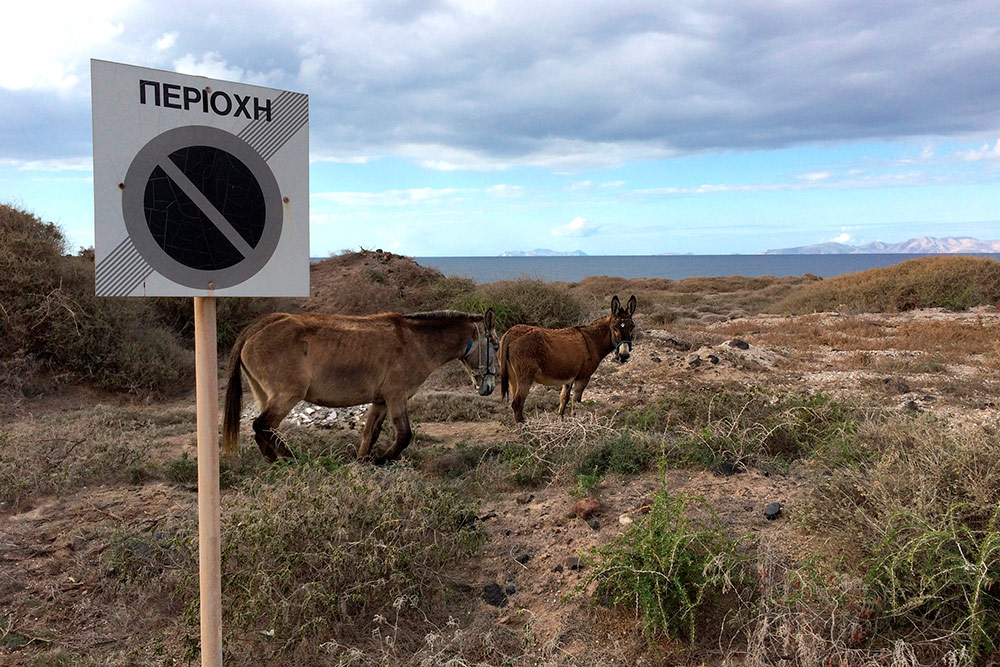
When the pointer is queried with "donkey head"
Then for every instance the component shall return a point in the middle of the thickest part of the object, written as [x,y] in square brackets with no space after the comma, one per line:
[480,357]
[622,327]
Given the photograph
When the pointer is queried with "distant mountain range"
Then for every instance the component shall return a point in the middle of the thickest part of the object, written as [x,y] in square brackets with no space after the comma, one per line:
[542,252]
[924,245]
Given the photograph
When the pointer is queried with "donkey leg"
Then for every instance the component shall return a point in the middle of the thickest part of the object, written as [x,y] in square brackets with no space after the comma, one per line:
[578,388]
[270,443]
[373,428]
[563,398]
[401,421]
[517,403]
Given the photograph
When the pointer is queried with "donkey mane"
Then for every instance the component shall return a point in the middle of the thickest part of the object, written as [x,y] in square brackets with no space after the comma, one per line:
[445,315]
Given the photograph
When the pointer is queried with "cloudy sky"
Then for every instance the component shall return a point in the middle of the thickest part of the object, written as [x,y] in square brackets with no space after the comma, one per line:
[476,127]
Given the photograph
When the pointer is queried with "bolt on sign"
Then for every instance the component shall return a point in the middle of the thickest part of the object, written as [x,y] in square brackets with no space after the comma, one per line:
[201,187]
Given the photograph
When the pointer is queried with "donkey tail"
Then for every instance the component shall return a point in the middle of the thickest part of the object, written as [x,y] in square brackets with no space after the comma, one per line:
[504,367]
[234,400]
[234,387]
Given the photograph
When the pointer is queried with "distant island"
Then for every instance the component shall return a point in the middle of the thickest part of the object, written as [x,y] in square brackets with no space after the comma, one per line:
[924,245]
[542,252]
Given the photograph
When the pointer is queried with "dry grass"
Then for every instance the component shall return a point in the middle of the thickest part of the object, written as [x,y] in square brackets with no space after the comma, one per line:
[949,339]
[663,301]
[943,281]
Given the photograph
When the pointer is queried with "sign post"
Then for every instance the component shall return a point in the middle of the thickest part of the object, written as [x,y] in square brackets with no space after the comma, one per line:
[209,540]
[201,189]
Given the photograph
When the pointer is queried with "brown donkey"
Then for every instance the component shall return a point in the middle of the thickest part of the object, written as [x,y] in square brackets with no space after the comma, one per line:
[562,357]
[339,361]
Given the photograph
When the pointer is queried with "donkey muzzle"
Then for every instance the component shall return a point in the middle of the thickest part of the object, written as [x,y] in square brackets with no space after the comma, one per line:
[486,386]
[623,351]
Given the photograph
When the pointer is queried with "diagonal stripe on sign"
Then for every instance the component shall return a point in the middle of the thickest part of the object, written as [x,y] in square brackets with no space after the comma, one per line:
[201,201]
[121,271]
[291,112]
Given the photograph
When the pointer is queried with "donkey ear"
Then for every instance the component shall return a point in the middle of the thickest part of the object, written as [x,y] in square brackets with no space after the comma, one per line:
[489,319]
[630,306]
[616,305]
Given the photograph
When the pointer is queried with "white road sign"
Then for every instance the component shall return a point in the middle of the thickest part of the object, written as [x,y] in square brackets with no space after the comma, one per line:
[201,187]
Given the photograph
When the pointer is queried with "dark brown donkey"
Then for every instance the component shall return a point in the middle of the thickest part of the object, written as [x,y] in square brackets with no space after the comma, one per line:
[338,361]
[566,357]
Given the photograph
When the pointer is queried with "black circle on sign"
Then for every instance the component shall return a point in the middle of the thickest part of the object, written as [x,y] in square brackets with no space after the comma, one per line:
[202,207]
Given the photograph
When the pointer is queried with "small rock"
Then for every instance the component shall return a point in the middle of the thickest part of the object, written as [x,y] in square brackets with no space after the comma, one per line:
[510,590]
[574,563]
[694,361]
[656,359]
[740,344]
[645,505]
[585,507]
[911,406]
[523,558]
[772,511]
[679,344]
[594,523]
[494,595]
[524,498]
[726,469]
[713,359]
[625,520]
[557,568]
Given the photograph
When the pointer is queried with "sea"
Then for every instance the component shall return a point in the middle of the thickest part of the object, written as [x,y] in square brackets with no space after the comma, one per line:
[674,267]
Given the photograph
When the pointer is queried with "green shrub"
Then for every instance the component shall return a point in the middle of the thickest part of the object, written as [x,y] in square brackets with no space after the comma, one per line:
[183,470]
[749,426]
[525,302]
[136,557]
[624,454]
[942,573]
[668,567]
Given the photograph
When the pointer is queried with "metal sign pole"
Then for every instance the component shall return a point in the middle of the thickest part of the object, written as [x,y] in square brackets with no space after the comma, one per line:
[209,543]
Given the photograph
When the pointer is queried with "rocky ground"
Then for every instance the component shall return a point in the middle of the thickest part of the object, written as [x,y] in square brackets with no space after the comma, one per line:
[54,591]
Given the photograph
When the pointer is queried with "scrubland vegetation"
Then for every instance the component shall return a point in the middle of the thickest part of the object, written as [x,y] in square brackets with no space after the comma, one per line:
[888,554]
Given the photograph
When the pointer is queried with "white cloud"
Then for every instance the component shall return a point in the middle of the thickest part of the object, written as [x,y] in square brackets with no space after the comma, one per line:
[843,238]
[576,227]
[45,45]
[166,42]
[815,176]
[410,197]
[506,191]
[984,153]
[51,165]
[213,66]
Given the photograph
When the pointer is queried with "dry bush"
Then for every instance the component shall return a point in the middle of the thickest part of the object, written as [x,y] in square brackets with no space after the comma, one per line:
[233,314]
[317,556]
[940,340]
[922,522]
[365,282]
[664,301]
[814,615]
[452,406]
[943,281]
[48,312]
[549,450]
[110,444]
